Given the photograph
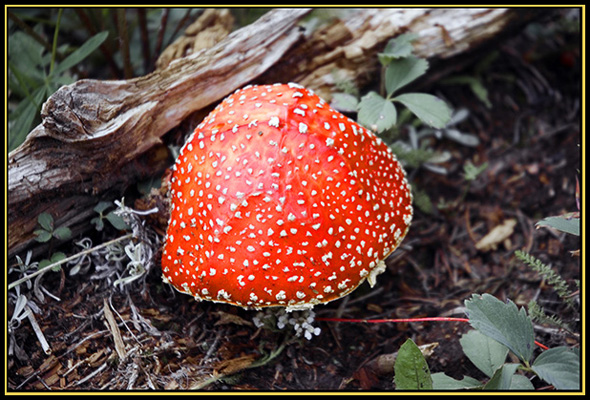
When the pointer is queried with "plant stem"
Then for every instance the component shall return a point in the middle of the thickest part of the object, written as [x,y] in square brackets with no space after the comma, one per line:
[58,263]
[54,46]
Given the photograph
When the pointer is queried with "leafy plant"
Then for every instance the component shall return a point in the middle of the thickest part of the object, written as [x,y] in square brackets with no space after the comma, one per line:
[400,68]
[553,278]
[47,231]
[129,42]
[35,73]
[111,216]
[500,328]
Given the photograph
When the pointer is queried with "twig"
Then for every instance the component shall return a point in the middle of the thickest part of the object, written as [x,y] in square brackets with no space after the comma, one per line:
[65,260]
[44,345]
[112,323]
[88,377]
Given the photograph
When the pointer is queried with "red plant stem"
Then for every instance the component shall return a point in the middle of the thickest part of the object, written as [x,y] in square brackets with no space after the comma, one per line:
[424,319]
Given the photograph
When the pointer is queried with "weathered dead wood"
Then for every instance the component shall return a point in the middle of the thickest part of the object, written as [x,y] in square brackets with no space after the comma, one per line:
[99,137]
[208,30]
[346,50]
[96,136]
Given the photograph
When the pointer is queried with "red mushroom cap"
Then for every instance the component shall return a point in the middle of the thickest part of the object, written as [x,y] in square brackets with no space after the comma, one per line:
[278,200]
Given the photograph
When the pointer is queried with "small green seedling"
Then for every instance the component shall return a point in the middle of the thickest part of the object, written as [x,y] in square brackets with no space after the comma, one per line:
[111,216]
[400,69]
[47,231]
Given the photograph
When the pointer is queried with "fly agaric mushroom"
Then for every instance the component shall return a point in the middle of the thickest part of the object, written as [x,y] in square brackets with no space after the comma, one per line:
[278,200]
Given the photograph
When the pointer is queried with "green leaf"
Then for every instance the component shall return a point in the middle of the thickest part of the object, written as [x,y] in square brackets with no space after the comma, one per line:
[22,118]
[521,382]
[42,235]
[566,223]
[54,258]
[26,53]
[102,205]
[344,102]
[559,366]
[441,381]
[58,256]
[62,233]
[484,352]
[471,171]
[430,109]
[81,53]
[502,378]
[411,370]
[46,221]
[116,221]
[403,71]
[502,322]
[376,113]
[398,47]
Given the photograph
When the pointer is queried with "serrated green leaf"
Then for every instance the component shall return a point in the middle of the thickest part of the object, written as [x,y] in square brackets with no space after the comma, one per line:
[403,71]
[484,352]
[430,109]
[57,256]
[410,368]
[559,366]
[502,378]
[376,113]
[441,381]
[344,102]
[502,322]
[81,53]
[398,47]
[46,221]
[563,223]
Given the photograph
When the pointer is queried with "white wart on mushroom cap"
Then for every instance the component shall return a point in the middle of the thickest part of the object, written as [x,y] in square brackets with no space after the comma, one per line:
[279,200]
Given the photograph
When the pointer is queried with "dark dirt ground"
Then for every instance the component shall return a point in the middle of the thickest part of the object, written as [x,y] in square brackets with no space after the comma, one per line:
[531,138]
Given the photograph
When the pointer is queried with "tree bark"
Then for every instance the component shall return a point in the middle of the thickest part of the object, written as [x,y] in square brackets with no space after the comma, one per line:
[99,137]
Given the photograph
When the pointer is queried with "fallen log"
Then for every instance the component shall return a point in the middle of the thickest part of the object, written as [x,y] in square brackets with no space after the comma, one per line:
[99,137]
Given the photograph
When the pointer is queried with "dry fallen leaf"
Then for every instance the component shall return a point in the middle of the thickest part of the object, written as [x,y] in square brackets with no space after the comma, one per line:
[230,367]
[496,236]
